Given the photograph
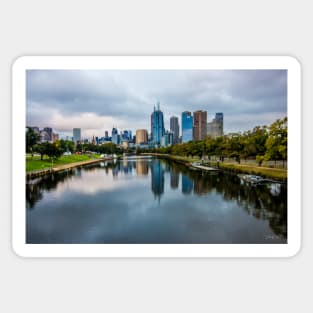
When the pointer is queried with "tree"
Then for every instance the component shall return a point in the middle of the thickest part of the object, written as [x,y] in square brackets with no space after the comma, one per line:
[276,143]
[31,139]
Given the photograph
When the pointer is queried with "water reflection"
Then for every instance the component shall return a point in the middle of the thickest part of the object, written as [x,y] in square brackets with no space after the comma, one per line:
[226,199]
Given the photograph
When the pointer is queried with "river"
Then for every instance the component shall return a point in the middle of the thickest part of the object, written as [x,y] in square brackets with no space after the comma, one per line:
[153,201]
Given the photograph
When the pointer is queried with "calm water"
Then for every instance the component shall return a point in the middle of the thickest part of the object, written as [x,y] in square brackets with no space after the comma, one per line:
[153,201]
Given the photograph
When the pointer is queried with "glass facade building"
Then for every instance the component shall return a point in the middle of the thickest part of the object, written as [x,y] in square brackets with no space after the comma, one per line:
[76,135]
[157,125]
[187,126]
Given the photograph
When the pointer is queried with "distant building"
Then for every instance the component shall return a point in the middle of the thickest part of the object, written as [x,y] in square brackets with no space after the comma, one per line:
[44,136]
[216,127]
[187,124]
[141,136]
[167,139]
[174,127]
[106,135]
[157,125]
[48,131]
[115,136]
[35,129]
[199,125]
[77,135]
[55,137]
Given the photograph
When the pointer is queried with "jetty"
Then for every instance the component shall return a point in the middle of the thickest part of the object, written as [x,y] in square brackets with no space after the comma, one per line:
[199,166]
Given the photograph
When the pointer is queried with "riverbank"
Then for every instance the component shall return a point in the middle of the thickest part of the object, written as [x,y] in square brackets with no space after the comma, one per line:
[62,164]
[267,172]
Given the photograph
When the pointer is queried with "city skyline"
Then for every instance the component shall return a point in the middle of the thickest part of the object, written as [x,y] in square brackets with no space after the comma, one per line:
[95,100]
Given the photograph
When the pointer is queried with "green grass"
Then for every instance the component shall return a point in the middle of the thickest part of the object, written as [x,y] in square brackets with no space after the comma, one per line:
[273,173]
[34,164]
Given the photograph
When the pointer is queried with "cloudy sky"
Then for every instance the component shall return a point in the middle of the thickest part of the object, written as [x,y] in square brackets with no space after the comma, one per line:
[95,100]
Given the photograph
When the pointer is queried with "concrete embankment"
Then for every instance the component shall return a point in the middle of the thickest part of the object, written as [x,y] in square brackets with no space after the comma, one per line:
[47,171]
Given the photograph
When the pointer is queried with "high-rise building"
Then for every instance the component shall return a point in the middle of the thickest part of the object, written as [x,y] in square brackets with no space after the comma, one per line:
[157,125]
[106,135]
[141,136]
[215,128]
[174,127]
[115,136]
[48,130]
[199,125]
[187,124]
[76,135]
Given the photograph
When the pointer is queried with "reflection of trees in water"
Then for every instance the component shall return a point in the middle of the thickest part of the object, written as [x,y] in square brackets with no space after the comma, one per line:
[256,200]
[36,187]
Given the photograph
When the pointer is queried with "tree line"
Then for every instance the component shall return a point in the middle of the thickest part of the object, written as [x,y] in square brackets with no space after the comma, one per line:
[263,143]
[59,147]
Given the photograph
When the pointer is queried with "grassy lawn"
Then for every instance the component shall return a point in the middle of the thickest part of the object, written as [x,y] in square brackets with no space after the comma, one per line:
[34,164]
[273,173]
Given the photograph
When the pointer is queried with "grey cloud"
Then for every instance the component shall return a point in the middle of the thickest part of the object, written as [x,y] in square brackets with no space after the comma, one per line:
[130,95]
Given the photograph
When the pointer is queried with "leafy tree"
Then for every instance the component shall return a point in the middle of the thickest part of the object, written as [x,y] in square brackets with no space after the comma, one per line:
[276,143]
[31,139]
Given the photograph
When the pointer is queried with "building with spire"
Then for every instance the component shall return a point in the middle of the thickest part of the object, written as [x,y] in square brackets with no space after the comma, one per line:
[157,125]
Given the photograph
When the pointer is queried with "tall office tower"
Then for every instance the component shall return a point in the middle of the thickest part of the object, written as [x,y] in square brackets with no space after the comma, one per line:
[187,124]
[141,136]
[115,136]
[106,135]
[76,135]
[174,127]
[216,127]
[199,125]
[157,125]
[48,130]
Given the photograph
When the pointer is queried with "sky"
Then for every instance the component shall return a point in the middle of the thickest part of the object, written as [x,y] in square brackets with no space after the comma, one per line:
[97,100]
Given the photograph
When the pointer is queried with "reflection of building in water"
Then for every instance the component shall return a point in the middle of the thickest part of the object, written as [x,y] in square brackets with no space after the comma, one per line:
[141,167]
[174,178]
[116,169]
[187,184]
[126,167]
[157,179]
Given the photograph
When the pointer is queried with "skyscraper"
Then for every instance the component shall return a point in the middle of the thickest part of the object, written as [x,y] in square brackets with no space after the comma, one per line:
[199,125]
[76,135]
[141,136]
[115,136]
[157,125]
[216,127]
[174,127]
[187,124]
